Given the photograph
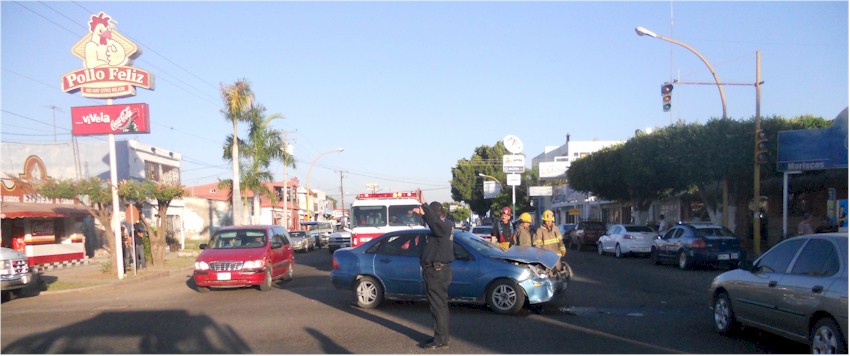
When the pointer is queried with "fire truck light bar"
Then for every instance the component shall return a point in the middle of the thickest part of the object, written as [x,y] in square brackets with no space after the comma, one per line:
[393,195]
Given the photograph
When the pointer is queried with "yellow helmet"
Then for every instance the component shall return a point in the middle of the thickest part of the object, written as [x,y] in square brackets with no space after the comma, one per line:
[525,217]
[548,215]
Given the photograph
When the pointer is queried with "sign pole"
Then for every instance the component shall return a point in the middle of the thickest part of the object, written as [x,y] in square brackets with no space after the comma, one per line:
[113,182]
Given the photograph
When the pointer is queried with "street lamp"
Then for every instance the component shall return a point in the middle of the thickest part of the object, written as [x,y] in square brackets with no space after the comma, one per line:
[310,171]
[513,194]
[644,32]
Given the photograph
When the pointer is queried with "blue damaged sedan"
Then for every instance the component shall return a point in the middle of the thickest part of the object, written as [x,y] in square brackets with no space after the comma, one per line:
[387,268]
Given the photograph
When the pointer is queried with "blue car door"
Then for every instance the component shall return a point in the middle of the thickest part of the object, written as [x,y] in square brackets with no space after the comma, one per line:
[464,275]
[396,263]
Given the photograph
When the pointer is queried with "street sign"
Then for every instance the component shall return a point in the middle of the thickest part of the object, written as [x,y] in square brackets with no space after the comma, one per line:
[513,144]
[540,191]
[513,164]
[514,179]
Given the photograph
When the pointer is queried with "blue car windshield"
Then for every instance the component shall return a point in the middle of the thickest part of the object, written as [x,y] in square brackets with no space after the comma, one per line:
[476,243]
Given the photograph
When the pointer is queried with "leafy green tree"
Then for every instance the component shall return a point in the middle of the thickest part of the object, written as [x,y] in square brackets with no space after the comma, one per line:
[457,212]
[467,185]
[95,195]
[138,193]
[263,146]
[238,98]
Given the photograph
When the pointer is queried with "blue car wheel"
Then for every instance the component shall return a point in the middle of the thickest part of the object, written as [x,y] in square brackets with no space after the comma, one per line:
[369,293]
[505,297]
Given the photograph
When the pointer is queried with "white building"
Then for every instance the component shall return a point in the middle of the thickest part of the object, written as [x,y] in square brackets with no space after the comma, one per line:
[553,163]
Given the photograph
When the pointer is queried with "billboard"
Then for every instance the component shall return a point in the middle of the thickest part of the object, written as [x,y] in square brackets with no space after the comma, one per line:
[110,119]
[554,170]
[814,149]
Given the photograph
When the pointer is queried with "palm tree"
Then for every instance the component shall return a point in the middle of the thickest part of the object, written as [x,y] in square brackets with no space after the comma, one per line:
[238,98]
[264,145]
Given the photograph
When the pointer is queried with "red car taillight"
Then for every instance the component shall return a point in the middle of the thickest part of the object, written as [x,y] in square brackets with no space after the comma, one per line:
[698,244]
[336,265]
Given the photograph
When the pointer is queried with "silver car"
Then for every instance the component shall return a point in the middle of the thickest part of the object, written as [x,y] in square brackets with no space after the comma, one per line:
[797,289]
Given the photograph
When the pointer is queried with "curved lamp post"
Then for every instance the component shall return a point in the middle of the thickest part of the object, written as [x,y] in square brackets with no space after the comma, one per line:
[513,195]
[644,32]
[310,171]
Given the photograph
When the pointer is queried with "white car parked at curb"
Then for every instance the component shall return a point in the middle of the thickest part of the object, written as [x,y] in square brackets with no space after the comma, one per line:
[623,239]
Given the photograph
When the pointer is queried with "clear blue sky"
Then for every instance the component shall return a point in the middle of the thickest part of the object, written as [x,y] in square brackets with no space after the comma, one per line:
[408,88]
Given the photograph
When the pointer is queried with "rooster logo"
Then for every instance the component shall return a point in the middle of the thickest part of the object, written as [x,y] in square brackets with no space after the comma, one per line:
[104,47]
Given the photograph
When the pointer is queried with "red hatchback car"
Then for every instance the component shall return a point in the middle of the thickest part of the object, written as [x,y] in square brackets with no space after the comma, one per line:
[239,256]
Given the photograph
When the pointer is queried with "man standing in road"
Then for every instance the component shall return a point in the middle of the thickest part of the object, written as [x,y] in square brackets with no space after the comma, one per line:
[805,226]
[663,224]
[522,236]
[503,231]
[549,237]
[436,259]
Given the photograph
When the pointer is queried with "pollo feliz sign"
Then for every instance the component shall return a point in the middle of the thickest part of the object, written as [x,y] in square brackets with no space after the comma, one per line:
[110,119]
[107,57]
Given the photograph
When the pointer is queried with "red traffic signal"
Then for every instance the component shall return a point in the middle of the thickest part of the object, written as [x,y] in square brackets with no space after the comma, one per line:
[666,96]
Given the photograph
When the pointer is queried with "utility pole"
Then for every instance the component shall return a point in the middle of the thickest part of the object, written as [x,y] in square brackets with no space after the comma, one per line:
[53,108]
[342,193]
[287,151]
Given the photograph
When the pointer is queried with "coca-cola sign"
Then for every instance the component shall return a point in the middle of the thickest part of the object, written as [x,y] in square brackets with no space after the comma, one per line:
[110,119]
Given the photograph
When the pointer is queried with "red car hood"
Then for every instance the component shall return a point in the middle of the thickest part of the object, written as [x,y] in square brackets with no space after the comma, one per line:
[232,254]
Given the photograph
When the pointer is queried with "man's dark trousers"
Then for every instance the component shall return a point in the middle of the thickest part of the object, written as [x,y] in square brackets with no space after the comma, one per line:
[437,287]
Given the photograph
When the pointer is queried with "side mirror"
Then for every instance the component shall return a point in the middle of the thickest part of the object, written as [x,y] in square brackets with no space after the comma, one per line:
[203,246]
[277,244]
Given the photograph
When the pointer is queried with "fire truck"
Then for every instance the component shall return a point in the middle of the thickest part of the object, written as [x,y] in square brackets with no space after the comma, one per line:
[374,214]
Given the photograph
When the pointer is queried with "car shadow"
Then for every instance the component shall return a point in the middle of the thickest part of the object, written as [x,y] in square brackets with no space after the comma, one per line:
[135,332]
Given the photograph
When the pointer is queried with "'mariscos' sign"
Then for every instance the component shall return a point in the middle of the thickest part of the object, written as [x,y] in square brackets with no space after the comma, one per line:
[107,57]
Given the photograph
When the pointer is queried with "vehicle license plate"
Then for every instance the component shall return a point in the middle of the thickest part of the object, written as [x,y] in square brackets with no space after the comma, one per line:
[723,256]
[643,249]
[734,255]
[224,276]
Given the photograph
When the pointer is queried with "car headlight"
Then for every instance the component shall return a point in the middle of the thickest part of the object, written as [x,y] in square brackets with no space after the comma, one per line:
[201,266]
[256,264]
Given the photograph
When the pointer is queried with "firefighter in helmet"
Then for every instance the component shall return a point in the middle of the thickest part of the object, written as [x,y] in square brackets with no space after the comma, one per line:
[522,235]
[503,231]
[549,237]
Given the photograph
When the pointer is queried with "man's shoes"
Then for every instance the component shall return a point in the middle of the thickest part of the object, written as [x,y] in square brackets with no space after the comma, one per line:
[433,346]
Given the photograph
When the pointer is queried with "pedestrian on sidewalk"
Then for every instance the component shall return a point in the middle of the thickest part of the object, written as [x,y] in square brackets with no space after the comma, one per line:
[140,248]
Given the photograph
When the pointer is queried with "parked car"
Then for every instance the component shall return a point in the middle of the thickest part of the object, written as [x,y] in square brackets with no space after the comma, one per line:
[797,289]
[339,240]
[388,267]
[697,243]
[623,239]
[586,233]
[15,273]
[483,231]
[249,255]
[301,241]
[316,237]
[565,232]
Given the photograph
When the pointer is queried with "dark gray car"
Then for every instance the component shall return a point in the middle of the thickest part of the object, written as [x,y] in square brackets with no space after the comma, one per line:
[697,243]
[797,289]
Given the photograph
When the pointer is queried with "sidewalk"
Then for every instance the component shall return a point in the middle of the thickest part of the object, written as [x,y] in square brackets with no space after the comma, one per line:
[92,275]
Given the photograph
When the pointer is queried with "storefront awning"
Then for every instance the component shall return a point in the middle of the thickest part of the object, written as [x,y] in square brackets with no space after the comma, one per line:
[29,210]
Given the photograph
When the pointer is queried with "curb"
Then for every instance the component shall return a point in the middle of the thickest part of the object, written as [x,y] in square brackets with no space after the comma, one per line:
[113,282]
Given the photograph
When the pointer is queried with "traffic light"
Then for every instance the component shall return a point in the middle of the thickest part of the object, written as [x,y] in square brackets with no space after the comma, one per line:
[666,96]
[762,156]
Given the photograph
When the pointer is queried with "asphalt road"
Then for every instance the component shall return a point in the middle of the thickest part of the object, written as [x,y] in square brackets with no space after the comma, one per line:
[613,306]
